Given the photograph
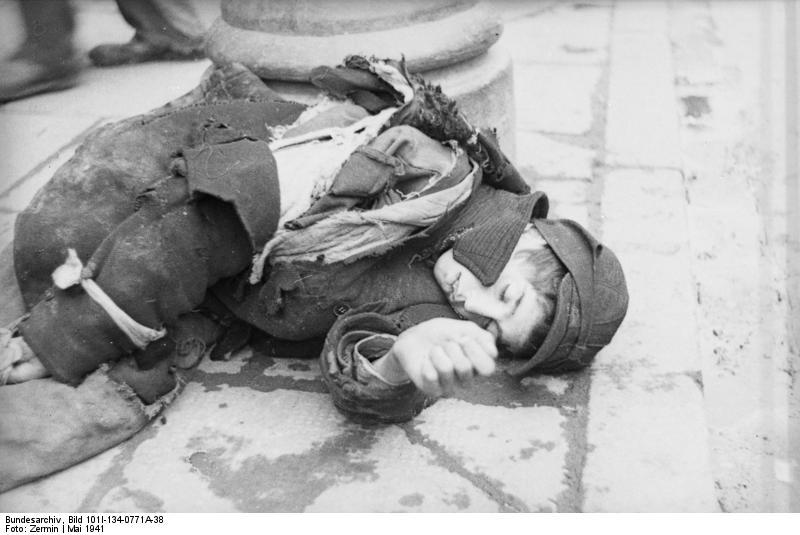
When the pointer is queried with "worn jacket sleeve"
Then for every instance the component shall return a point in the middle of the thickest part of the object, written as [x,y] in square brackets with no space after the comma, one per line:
[359,338]
[356,391]
[48,426]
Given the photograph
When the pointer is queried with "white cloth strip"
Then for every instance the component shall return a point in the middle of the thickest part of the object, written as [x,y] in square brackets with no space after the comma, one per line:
[70,273]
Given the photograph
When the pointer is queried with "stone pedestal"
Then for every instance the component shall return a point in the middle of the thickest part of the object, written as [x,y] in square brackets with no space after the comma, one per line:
[448,41]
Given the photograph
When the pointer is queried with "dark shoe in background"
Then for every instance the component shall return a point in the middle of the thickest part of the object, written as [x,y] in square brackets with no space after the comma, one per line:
[139,51]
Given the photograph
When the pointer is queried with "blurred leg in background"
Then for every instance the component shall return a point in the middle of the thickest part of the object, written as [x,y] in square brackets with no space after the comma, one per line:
[46,60]
[165,30]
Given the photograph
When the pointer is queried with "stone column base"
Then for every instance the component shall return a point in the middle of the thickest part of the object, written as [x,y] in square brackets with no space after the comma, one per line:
[285,39]
[450,42]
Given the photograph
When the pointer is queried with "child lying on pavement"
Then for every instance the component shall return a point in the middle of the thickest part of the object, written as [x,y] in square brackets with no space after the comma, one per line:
[383,222]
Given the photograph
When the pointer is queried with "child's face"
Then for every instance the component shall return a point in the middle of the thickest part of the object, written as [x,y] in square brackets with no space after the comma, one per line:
[511,306]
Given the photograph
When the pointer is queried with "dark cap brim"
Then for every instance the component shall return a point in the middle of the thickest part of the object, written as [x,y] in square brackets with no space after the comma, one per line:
[565,300]
[577,250]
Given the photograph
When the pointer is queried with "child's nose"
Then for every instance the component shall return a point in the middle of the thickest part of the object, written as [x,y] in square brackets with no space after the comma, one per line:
[487,305]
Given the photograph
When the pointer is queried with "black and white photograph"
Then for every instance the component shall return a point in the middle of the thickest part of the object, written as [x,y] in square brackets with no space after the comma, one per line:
[412,256]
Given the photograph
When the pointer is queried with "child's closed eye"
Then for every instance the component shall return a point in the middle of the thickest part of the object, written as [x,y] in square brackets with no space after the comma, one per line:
[512,293]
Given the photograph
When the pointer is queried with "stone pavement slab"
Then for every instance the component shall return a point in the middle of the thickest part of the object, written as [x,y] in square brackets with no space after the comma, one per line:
[566,33]
[658,462]
[647,432]
[406,477]
[646,221]
[647,429]
[522,449]
[549,158]
[642,127]
[642,17]
[569,199]
[42,133]
[556,98]
[563,170]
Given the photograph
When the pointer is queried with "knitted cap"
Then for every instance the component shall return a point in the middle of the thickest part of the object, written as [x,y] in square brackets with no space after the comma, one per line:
[591,303]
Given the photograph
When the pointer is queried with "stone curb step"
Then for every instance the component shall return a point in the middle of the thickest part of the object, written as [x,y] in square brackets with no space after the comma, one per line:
[647,434]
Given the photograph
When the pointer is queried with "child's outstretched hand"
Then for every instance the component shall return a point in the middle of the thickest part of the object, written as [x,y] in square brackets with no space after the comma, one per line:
[440,353]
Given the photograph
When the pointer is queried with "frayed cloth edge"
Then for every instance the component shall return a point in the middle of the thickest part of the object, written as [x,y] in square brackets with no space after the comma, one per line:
[129,394]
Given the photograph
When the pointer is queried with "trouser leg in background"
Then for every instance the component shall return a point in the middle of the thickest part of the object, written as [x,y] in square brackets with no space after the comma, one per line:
[165,30]
[49,28]
[170,23]
[46,60]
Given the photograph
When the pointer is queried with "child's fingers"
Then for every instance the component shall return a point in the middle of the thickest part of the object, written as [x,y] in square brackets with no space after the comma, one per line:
[485,340]
[462,366]
[479,359]
[429,378]
[444,367]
